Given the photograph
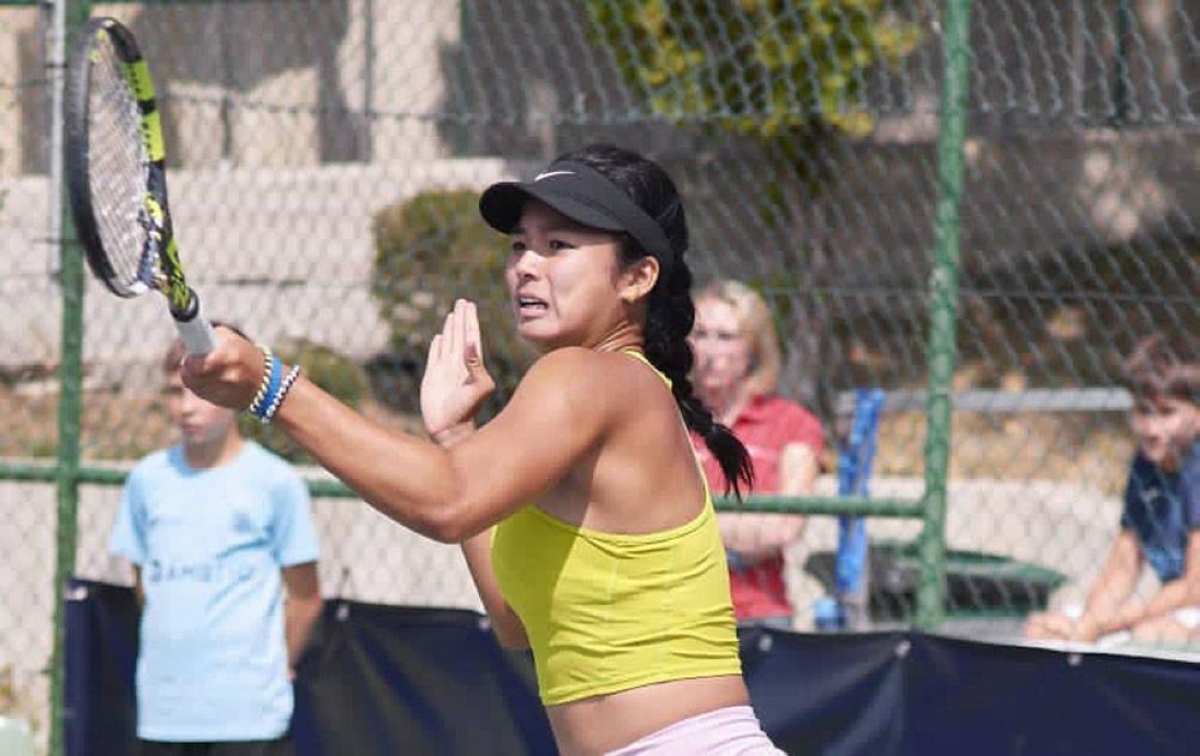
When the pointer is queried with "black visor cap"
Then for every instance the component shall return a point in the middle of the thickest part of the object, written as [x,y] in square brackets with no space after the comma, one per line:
[501,206]
[581,194]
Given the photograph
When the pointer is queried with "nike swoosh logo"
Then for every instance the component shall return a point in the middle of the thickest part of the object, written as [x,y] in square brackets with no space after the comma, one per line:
[548,174]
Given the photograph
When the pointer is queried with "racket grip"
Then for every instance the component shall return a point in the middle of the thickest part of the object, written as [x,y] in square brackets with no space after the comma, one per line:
[195,330]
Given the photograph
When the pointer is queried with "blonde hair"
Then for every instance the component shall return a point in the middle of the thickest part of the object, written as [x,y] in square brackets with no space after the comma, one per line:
[757,327]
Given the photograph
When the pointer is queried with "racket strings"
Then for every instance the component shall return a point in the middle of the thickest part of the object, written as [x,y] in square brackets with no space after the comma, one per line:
[119,168]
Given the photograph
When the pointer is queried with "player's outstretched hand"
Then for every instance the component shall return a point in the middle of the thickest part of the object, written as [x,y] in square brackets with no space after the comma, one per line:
[456,382]
[229,375]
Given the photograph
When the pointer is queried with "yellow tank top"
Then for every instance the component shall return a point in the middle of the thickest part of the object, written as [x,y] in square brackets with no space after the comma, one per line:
[607,612]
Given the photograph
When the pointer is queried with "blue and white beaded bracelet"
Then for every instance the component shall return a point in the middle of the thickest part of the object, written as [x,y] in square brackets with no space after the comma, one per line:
[284,387]
[265,384]
[272,377]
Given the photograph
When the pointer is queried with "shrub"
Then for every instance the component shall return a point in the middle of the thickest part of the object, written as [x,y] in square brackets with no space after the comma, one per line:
[430,250]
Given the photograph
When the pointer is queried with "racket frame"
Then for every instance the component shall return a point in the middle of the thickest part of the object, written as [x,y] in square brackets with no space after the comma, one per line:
[162,269]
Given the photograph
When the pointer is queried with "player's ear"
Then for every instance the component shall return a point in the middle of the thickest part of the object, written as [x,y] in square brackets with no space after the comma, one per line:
[638,278]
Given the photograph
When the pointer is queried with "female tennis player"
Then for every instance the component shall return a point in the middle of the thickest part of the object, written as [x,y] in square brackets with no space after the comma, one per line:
[584,516]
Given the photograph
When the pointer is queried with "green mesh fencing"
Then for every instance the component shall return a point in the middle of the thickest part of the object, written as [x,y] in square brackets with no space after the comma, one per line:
[29,340]
[322,159]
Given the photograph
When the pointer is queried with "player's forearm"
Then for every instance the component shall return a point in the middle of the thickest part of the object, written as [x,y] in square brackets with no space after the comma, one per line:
[411,480]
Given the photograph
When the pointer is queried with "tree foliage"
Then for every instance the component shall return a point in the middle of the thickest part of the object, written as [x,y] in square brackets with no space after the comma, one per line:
[765,68]
[789,73]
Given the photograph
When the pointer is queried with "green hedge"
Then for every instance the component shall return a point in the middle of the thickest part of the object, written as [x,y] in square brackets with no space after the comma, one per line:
[430,250]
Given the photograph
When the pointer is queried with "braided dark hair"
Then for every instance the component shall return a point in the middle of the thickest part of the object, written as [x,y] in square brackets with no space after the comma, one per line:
[670,312]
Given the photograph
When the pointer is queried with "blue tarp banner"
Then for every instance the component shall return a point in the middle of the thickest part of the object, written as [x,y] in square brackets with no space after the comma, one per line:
[385,680]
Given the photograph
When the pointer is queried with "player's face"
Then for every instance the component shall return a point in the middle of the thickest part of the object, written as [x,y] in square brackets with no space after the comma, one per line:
[722,350]
[200,423]
[562,279]
[1165,428]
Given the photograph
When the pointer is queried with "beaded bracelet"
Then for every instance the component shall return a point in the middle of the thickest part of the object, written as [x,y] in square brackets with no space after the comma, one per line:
[276,375]
[256,403]
[284,387]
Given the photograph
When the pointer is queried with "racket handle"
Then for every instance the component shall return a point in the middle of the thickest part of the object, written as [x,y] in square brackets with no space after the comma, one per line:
[198,336]
[195,330]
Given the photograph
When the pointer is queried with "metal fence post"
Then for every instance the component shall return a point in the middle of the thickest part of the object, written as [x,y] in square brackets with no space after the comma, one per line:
[68,15]
[943,304]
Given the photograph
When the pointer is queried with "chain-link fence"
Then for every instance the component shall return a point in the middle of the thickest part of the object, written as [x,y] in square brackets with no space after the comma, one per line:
[317,147]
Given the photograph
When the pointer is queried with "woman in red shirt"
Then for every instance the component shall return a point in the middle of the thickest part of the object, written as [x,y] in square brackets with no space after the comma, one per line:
[736,376]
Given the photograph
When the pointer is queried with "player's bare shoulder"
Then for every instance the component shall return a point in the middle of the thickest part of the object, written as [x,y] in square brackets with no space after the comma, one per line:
[571,370]
[596,381]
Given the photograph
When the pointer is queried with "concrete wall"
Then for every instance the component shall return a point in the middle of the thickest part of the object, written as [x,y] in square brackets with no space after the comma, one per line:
[286,253]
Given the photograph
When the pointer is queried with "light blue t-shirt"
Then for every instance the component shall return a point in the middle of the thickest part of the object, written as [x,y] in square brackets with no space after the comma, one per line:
[212,660]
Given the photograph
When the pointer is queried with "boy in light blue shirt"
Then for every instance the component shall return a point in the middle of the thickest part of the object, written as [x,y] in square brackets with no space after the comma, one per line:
[216,527]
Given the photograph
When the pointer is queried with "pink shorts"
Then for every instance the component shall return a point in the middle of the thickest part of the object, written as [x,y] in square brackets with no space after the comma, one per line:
[732,731]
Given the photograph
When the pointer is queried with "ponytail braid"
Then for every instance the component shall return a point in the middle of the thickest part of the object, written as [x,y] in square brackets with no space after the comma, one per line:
[668,322]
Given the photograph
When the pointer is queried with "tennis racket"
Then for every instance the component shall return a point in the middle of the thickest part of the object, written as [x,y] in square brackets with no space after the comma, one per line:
[116,176]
